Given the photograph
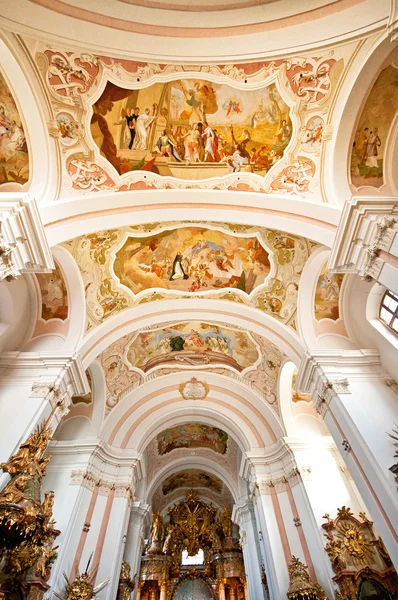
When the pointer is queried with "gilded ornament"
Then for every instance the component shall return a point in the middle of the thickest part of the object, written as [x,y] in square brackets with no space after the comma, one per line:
[301,586]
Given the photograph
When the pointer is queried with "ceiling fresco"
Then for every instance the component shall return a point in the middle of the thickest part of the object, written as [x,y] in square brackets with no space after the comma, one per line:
[192,344]
[190,479]
[377,117]
[128,125]
[124,267]
[54,295]
[191,259]
[262,374]
[192,435]
[327,294]
[191,128]
[14,155]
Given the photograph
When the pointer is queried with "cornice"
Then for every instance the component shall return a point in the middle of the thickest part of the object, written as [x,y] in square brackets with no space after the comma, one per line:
[23,243]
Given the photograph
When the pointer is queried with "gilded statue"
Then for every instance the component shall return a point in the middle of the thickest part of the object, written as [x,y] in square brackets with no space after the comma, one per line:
[301,586]
[157,527]
[14,491]
[125,572]
[27,458]
[226,523]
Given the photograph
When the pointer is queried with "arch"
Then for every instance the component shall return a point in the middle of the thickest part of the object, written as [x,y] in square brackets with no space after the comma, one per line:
[34,107]
[154,313]
[198,462]
[104,210]
[143,410]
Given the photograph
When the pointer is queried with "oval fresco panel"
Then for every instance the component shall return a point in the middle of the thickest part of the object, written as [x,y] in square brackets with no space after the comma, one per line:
[192,259]
[191,128]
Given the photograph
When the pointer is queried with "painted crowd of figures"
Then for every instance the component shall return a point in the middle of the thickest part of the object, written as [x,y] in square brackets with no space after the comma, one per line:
[14,161]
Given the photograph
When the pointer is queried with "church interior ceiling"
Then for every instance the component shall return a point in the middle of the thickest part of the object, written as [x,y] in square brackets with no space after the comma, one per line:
[268,122]
[192,435]
[125,267]
[54,295]
[327,294]
[14,153]
[192,478]
[263,358]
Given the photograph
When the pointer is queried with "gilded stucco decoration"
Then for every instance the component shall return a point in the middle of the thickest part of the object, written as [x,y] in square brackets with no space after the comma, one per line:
[124,267]
[127,125]
[123,374]
[359,559]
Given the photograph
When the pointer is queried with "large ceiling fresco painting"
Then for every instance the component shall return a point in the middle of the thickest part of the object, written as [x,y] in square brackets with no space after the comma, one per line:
[192,435]
[191,128]
[124,267]
[192,259]
[14,157]
[192,344]
[129,125]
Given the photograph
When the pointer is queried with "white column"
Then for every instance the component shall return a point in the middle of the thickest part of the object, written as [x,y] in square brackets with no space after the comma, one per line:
[358,403]
[243,514]
[133,546]
[31,384]
[93,493]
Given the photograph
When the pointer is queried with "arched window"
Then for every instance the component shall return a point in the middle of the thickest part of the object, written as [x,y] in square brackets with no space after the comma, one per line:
[198,559]
[389,310]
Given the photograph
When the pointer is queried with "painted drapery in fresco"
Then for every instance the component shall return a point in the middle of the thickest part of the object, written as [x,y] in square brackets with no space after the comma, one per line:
[327,295]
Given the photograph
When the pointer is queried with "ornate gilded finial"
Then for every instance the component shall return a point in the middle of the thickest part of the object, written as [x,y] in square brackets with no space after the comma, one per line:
[82,587]
[301,586]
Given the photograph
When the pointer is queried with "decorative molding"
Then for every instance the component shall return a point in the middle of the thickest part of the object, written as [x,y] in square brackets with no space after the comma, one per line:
[194,389]
[392,384]
[23,243]
[88,479]
[368,225]
[341,386]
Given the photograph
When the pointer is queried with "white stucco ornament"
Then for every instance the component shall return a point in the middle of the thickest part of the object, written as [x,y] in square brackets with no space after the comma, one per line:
[194,389]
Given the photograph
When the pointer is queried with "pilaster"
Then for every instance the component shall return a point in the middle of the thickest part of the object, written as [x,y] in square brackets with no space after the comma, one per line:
[358,403]
[23,243]
[32,383]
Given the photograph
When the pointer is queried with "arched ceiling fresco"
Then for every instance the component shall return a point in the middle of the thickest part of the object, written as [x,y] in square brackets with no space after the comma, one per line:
[14,155]
[192,435]
[128,266]
[192,343]
[128,125]
[262,374]
[192,478]
[374,127]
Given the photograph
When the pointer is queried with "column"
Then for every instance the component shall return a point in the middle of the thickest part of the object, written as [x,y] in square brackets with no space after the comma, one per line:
[31,384]
[163,590]
[367,240]
[358,402]
[133,546]
[221,590]
[243,514]
[96,486]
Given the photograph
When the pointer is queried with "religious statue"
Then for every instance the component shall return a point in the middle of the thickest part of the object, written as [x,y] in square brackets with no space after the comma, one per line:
[157,527]
[82,587]
[301,586]
[226,523]
[27,458]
